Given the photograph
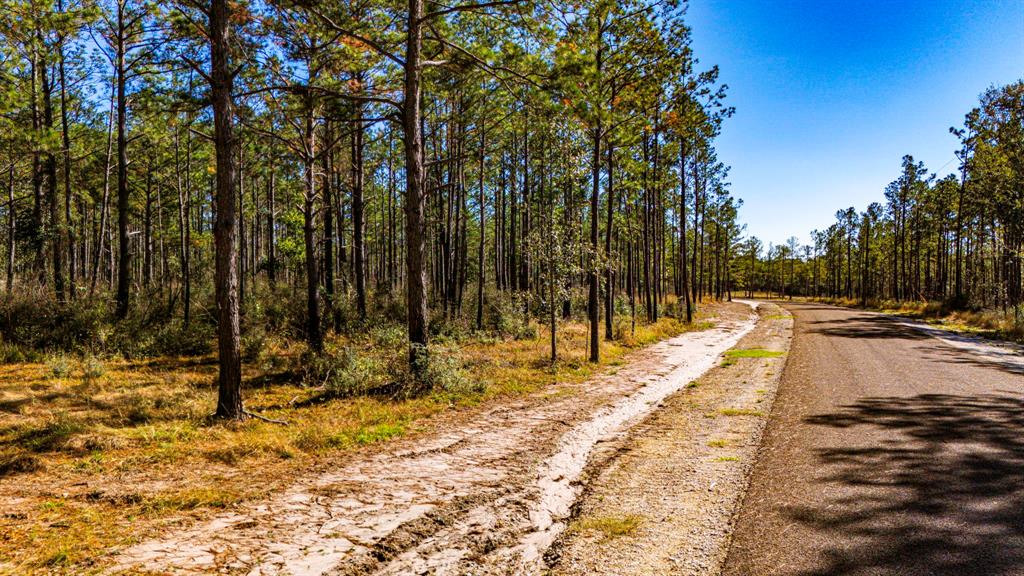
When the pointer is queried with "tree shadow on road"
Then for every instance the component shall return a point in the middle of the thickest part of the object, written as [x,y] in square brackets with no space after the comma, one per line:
[943,495]
[1005,361]
[865,326]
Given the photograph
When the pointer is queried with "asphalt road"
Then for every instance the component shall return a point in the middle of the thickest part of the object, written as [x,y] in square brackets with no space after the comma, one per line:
[888,452]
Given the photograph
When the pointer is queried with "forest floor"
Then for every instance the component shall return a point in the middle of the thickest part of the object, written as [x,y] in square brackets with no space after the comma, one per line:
[486,493]
[666,501]
[99,460]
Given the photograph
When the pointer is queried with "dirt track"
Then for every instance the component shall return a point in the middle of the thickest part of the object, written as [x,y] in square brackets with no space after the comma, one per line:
[889,452]
[487,497]
[676,482]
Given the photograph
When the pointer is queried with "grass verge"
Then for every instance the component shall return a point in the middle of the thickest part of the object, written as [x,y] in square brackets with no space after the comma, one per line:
[102,452]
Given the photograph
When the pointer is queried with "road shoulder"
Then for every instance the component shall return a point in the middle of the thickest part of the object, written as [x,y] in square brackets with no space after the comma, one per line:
[665,497]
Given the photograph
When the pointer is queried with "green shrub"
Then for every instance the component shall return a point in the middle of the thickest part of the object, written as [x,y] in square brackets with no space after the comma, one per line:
[11,353]
[92,368]
[441,372]
[448,329]
[390,336]
[444,373]
[176,339]
[342,371]
[59,365]
[512,319]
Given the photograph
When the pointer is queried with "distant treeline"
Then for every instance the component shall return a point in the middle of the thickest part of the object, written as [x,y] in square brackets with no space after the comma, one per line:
[957,239]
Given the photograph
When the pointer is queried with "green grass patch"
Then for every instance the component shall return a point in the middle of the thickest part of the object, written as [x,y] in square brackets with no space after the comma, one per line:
[727,459]
[740,412]
[718,443]
[753,353]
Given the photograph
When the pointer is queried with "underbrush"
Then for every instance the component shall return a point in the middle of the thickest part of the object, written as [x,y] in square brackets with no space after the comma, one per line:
[107,441]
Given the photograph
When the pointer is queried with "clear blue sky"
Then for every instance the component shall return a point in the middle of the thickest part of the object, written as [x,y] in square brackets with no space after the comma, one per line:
[831,94]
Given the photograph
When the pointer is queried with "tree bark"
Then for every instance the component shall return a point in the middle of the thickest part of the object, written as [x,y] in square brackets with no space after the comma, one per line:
[229,381]
[358,225]
[416,281]
[124,252]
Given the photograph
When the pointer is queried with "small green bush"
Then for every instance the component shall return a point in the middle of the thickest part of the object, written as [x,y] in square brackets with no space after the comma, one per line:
[59,365]
[343,371]
[512,320]
[92,368]
[390,336]
[176,339]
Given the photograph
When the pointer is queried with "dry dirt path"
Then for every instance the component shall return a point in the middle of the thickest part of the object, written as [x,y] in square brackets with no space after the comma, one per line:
[486,498]
[666,501]
[893,449]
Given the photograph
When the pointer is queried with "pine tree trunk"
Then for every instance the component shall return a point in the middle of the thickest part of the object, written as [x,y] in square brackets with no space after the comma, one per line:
[416,280]
[124,252]
[229,380]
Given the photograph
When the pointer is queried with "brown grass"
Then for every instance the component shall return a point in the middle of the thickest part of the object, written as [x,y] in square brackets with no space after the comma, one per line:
[96,454]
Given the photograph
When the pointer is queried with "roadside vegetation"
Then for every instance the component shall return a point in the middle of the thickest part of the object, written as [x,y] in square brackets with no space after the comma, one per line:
[239,240]
[987,323]
[98,448]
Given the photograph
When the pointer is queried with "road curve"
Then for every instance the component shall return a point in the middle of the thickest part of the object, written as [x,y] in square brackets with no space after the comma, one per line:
[889,452]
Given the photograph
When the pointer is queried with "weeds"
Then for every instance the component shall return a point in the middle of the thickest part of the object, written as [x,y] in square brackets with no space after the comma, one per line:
[92,368]
[59,365]
[609,527]
[740,412]
[148,419]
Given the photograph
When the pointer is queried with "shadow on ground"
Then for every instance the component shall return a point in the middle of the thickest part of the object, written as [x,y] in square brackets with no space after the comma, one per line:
[944,494]
[1006,361]
[866,326]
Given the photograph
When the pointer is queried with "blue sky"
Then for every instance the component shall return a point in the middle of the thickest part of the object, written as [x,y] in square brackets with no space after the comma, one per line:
[830,95]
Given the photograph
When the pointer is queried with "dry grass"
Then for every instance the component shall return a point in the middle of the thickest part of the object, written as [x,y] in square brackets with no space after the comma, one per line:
[101,453]
[740,412]
[607,527]
[988,323]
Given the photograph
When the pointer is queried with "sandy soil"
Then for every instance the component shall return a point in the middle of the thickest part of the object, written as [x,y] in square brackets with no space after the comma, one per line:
[486,498]
[666,500]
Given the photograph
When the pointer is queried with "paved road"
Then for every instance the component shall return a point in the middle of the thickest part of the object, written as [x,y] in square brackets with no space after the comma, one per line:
[889,452]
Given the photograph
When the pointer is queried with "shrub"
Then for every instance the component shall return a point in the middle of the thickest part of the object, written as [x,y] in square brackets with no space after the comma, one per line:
[176,339]
[390,336]
[342,371]
[59,365]
[511,318]
[253,342]
[92,368]
[441,373]
[449,329]
[11,353]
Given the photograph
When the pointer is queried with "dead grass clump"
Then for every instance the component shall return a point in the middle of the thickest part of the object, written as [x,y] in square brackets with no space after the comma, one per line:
[50,436]
[189,499]
[608,527]
[13,461]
